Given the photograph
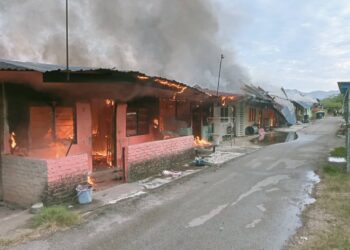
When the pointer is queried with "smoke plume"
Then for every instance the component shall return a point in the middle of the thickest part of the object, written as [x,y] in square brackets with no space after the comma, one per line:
[173,39]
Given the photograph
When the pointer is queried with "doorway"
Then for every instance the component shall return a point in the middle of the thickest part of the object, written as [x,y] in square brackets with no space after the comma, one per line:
[103,112]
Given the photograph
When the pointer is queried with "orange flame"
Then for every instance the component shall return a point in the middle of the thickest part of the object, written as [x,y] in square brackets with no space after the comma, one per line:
[90,180]
[180,88]
[142,77]
[155,123]
[225,99]
[109,102]
[13,143]
[201,142]
[59,148]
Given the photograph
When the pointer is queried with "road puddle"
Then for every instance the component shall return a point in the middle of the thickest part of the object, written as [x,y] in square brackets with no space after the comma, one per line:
[274,137]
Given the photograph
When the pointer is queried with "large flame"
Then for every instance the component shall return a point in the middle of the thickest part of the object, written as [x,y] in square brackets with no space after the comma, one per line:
[201,142]
[225,99]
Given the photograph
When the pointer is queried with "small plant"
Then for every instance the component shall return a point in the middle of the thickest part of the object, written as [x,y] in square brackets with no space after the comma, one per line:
[338,152]
[332,170]
[56,216]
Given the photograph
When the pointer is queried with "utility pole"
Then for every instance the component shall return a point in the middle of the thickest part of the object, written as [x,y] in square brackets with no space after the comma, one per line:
[67,48]
[217,89]
[347,103]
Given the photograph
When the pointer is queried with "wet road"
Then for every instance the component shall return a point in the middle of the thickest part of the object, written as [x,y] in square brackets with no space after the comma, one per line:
[252,202]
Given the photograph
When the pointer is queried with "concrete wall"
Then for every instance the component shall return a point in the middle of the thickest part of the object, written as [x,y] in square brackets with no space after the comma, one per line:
[27,180]
[24,179]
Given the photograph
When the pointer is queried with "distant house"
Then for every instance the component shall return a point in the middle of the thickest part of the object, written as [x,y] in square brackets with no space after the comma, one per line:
[303,104]
[58,128]
[267,109]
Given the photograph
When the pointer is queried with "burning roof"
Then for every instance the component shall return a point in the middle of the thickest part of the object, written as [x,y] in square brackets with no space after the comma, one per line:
[58,74]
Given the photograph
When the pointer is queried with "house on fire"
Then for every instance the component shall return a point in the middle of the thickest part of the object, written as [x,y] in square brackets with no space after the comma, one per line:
[238,114]
[100,122]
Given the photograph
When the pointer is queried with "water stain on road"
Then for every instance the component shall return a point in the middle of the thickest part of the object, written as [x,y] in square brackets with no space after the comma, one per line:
[204,218]
[271,180]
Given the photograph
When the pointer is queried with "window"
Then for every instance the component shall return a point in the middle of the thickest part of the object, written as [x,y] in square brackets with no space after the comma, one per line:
[224,114]
[137,121]
[252,114]
[50,124]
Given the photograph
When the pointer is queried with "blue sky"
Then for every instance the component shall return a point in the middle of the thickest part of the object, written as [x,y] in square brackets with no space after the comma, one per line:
[294,43]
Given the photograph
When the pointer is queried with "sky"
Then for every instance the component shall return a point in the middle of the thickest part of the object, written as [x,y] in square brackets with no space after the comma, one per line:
[298,44]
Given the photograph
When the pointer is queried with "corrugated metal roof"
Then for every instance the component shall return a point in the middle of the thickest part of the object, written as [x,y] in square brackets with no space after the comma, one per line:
[343,86]
[6,65]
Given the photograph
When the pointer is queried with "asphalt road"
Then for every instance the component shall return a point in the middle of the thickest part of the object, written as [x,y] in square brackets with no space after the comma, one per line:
[252,202]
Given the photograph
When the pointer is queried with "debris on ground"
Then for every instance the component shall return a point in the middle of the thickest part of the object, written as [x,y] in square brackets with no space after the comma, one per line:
[172,174]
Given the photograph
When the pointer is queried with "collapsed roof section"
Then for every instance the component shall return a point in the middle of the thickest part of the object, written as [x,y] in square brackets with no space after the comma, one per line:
[301,99]
[276,97]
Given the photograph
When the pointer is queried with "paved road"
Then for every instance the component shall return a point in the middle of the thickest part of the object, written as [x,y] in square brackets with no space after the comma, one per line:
[252,202]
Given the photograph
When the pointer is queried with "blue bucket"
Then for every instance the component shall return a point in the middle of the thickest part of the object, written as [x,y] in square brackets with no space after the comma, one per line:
[84,193]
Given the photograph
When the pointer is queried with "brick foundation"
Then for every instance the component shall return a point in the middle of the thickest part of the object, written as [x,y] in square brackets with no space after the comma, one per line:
[27,180]
[146,159]
[150,150]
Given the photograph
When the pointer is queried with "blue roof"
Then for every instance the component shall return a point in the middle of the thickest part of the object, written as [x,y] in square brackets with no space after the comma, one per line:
[343,86]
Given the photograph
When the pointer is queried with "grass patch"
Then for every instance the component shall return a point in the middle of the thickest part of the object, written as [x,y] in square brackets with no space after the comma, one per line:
[5,243]
[56,216]
[330,215]
[333,171]
[338,152]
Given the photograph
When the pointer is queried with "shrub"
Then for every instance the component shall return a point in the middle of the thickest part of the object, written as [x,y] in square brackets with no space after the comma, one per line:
[56,216]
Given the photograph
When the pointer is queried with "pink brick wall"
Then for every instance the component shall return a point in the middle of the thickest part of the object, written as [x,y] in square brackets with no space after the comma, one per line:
[155,149]
[74,165]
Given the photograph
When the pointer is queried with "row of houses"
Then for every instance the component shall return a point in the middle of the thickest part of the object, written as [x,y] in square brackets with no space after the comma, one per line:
[59,128]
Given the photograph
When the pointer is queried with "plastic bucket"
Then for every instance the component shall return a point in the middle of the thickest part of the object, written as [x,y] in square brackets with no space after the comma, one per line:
[84,193]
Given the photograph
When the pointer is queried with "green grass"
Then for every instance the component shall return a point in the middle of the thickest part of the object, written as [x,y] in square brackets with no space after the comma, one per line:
[333,171]
[5,243]
[338,152]
[334,202]
[56,216]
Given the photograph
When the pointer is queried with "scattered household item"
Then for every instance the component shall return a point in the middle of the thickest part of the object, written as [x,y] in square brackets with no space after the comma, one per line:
[84,193]
[36,208]
[199,161]
[251,130]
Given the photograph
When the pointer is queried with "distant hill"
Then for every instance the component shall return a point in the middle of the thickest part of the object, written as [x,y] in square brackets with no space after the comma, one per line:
[322,94]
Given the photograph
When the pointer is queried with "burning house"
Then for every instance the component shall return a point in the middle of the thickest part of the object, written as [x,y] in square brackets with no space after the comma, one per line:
[101,123]
[222,116]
